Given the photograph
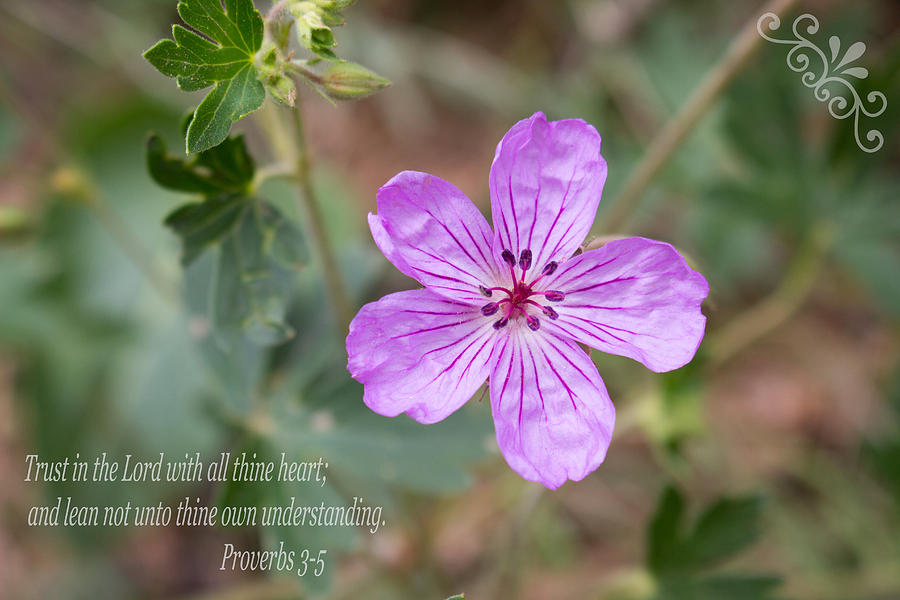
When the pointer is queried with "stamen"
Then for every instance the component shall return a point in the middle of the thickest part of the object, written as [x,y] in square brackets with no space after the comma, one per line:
[525,260]
[554,296]
[550,313]
[577,252]
[485,291]
[501,323]
[490,308]
[509,258]
[533,323]
[548,270]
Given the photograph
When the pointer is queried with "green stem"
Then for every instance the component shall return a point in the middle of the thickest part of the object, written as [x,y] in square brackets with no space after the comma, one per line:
[330,270]
[299,68]
[269,172]
[292,150]
[683,122]
[779,306]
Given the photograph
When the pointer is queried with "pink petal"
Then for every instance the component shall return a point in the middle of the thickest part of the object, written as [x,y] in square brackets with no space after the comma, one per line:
[546,182]
[633,297]
[430,231]
[553,417]
[420,353]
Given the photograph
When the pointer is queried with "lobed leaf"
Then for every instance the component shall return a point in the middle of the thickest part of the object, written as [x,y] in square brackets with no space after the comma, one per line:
[228,102]
[251,282]
[227,168]
[724,529]
[679,557]
[223,59]
[201,225]
[665,539]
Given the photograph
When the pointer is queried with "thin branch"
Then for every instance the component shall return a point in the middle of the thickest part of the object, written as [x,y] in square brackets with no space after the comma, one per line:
[292,150]
[330,271]
[683,122]
[766,316]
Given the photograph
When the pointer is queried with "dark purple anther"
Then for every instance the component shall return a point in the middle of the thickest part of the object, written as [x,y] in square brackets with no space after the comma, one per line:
[509,258]
[550,313]
[577,252]
[554,296]
[501,323]
[490,308]
[550,268]
[525,260]
[533,323]
[484,291]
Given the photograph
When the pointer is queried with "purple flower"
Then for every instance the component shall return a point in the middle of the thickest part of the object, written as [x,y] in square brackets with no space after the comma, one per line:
[512,305]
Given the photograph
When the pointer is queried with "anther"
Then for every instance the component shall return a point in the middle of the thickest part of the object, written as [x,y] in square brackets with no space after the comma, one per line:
[525,259]
[490,308]
[578,251]
[554,296]
[501,323]
[533,323]
[550,268]
[509,258]
[552,314]
[484,291]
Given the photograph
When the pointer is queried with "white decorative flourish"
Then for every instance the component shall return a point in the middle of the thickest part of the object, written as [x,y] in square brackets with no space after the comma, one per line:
[831,77]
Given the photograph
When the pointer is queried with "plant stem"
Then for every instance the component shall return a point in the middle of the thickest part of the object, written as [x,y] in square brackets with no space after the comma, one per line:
[777,307]
[330,270]
[292,150]
[683,122]
[273,171]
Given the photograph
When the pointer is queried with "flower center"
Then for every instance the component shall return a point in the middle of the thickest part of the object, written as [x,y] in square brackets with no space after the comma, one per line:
[518,301]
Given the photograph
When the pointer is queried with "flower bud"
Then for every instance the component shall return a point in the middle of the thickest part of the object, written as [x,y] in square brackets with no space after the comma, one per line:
[350,81]
[270,64]
[282,88]
[334,5]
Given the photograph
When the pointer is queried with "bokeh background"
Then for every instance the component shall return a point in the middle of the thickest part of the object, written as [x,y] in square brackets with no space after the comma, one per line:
[768,468]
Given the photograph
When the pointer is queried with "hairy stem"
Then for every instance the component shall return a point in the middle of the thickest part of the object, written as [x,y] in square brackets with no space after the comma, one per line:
[330,271]
[676,130]
[292,150]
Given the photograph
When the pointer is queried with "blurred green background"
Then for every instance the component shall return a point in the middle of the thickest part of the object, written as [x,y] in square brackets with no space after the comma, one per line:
[767,468]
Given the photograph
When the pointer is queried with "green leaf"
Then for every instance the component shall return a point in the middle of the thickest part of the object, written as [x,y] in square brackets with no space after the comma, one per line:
[201,225]
[258,247]
[248,290]
[228,102]
[223,59]
[251,284]
[665,539]
[314,21]
[227,168]
[882,453]
[679,558]
[736,587]
[724,529]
